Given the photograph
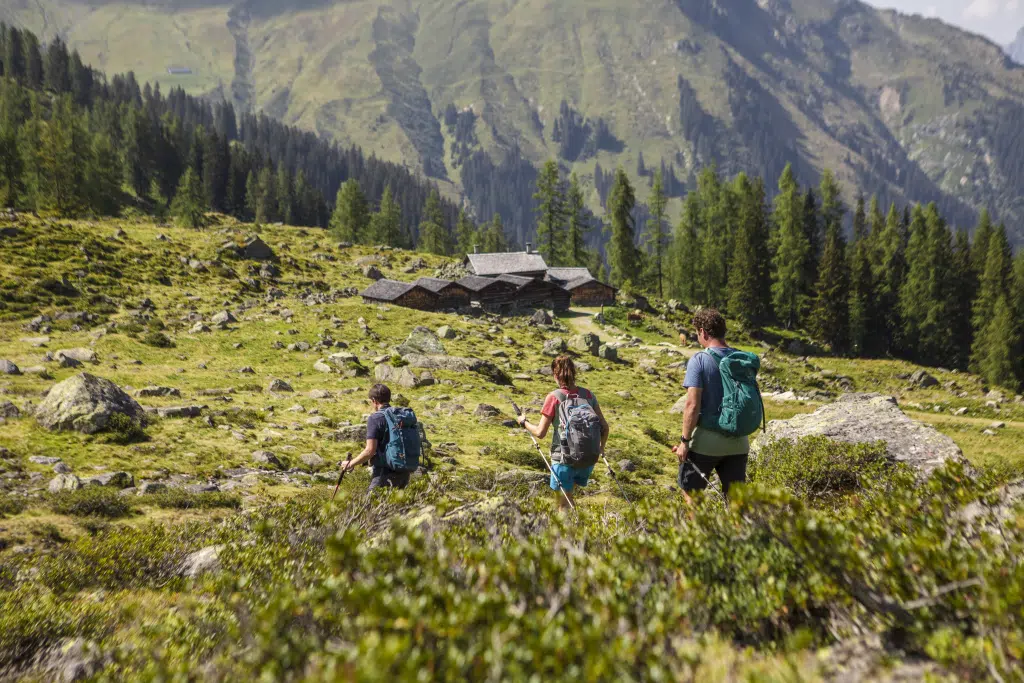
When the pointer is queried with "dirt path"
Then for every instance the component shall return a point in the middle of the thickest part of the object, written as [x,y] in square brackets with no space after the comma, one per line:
[581,320]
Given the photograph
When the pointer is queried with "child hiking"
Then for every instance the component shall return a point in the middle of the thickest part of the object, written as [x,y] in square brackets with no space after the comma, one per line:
[392,442]
[579,435]
[723,407]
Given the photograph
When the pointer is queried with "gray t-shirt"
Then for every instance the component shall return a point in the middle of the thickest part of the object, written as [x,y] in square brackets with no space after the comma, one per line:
[702,373]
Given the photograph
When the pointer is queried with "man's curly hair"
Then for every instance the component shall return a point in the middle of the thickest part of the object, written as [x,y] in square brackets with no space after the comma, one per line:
[711,321]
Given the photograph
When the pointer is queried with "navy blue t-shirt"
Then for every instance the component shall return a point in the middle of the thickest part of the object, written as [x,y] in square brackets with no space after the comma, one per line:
[377,428]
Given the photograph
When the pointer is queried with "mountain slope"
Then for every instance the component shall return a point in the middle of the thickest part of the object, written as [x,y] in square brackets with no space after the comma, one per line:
[906,107]
[1016,49]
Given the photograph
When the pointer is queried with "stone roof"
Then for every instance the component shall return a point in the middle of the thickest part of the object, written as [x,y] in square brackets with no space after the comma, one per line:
[509,263]
[434,284]
[516,280]
[386,290]
[475,283]
[567,274]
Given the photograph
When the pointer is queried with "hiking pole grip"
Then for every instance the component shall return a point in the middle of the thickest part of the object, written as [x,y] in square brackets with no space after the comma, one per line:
[546,463]
[341,476]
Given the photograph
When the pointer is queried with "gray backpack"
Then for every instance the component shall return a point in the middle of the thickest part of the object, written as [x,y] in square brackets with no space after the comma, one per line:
[579,431]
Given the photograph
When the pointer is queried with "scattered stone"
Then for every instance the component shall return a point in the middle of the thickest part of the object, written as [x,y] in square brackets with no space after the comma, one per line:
[43,460]
[36,342]
[988,432]
[995,395]
[553,346]
[608,352]
[959,412]
[255,249]
[195,489]
[84,403]
[997,425]
[321,366]
[355,433]
[372,272]
[247,370]
[422,340]
[149,488]
[485,410]
[540,317]
[61,468]
[171,412]
[8,410]
[199,328]
[443,332]
[266,458]
[626,465]
[149,392]
[922,379]
[223,318]
[312,460]
[796,348]
[318,421]
[402,376]
[320,394]
[9,368]
[82,355]
[279,386]
[118,480]
[201,562]
[587,343]
[64,482]
[867,418]
[68,362]
[677,407]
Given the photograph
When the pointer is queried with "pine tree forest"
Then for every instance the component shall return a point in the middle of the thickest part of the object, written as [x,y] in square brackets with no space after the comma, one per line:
[870,280]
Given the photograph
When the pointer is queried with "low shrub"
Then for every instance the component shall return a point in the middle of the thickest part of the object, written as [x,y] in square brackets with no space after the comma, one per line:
[158,340]
[91,501]
[819,469]
[179,499]
[31,620]
[10,505]
[122,429]
[525,458]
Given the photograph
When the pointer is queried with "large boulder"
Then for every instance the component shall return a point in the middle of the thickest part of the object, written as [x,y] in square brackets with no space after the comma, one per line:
[922,379]
[422,340]
[8,368]
[587,343]
[553,346]
[257,250]
[455,364]
[84,403]
[82,355]
[867,418]
[403,376]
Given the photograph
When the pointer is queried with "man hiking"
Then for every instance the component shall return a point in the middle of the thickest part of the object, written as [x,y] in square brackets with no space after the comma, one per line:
[392,441]
[714,440]
[576,416]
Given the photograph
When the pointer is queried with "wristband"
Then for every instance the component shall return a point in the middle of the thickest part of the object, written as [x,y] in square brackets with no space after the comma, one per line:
[683,439]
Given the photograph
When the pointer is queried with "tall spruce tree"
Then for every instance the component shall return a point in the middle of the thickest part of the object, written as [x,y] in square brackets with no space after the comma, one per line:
[494,240]
[551,214]
[285,196]
[684,251]
[433,233]
[979,247]
[623,258]
[994,283]
[104,177]
[351,215]
[791,249]
[12,167]
[814,231]
[266,196]
[830,312]
[657,236]
[1000,341]
[965,284]
[889,273]
[386,224]
[64,157]
[189,205]
[579,225]
[465,234]
[862,289]
[926,297]
[714,239]
[749,276]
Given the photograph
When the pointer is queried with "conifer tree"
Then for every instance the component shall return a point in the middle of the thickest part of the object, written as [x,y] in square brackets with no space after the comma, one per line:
[158,201]
[285,196]
[189,205]
[551,214]
[433,233]
[266,196]
[104,177]
[465,234]
[623,260]
[994,283]
[926,296]
[964,286]
[657,236]
[12,184]
[862,294]
[714,240]
[252,195]
[749,277]
[494,240]
[813,230]
[684,251]
[830,313]
[790,251]
[979,247]
[30,144]
[351,215]
[999,343]
[579,225]
[64,157]
[386,224]
[889,273]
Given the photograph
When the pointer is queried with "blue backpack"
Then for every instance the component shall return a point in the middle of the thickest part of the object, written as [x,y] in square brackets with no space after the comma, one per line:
[742,409]
[402,453]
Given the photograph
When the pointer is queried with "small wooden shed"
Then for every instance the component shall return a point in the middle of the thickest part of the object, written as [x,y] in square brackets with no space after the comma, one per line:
[405,294]
[452,294]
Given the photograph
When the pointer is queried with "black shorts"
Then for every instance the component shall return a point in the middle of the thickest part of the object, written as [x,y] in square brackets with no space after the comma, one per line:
[730,468]
[384,477]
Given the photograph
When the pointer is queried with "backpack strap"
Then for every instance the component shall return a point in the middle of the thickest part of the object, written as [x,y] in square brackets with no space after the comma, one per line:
[389,417]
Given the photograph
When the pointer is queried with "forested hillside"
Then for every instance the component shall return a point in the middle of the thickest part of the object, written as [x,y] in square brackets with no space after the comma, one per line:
[479,94]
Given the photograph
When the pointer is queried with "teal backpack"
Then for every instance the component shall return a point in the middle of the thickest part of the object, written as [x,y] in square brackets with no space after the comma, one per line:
[402,453]
[742,408]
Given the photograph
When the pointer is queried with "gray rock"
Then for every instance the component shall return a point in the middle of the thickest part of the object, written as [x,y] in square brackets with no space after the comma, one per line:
[403,376]
[372,272]
[279,386]
[355,433]
[150,488]
[118,480]
[796,348]
[267,458]
[39,371]
[84,403]
[989,432]
[64,482]
[149,392]
[312,460]
[8,410]
[485,410]
[223,318]
[201,562]
[553,346]
[320,394]
[995,395]
[422,340]
[318,421]
[8,368]
[452,363]
[61,468]
[922,379]
[445,332]
[586,343]
[608,352]
[179,411]
[198,328]
[678,407]
[626,465]
[256,249]
[540,317]
[44,460]
[196,489]
[997,425]
[960,411]
[82,355]
[867,418]
[68,362]
[247,370]
[321,366]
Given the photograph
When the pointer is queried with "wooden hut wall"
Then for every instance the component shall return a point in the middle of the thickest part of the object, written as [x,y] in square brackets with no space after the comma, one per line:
[593,294]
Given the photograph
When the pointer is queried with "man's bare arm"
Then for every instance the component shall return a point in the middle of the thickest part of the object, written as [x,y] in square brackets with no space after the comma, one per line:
[368,452]
[691,414]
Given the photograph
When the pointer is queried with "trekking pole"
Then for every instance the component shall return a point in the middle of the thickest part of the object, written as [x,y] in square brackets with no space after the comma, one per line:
[707,481]
[541,452]
[612,472]
[341,476]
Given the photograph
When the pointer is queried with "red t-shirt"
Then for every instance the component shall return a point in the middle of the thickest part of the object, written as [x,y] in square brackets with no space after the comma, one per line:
[550,409]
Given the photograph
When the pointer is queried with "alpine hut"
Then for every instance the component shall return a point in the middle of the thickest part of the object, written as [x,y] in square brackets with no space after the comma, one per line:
[584,288]
[536,292]
[523,263]
[489,293]
[451,294]
[406,294]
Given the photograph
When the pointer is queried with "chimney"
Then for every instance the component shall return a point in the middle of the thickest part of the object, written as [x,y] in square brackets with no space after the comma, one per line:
[529,247]
[476,248]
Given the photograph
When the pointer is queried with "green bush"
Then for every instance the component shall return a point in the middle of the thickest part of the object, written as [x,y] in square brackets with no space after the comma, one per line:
[91,501]
[31,619]
[525,458]
[9,505]
[122,429]
[158,340]
[819,469]
[179,499]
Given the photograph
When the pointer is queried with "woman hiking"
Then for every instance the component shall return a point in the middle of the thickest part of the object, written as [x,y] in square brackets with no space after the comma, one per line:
[567,402]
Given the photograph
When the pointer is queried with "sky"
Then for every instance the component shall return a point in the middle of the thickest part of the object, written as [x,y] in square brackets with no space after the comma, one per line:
[998,20]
